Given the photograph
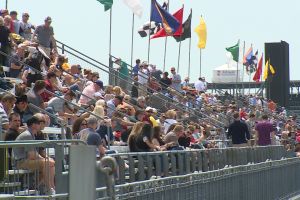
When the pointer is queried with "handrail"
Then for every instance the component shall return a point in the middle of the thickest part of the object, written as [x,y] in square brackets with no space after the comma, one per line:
[37,142]
[182,109]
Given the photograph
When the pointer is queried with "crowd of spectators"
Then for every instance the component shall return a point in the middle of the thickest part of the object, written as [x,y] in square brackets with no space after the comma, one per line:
[146,109]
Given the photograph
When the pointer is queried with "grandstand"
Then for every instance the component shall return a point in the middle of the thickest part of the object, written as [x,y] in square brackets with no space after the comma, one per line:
[66,134]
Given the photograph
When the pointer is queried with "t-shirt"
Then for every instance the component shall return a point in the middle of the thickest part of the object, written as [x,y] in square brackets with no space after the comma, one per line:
[124,72]
[15,59]
[44,34]
[26,30]
[3,115]
[171,137]
[35,99]
[21,152]
[4,34]
[57,104]
[165,82]
[11,135]
[177,85]
[110,107]
[143,76]
[264,130]
[200,86]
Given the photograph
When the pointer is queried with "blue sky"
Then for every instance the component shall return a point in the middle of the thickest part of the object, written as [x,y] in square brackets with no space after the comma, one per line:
[85,26]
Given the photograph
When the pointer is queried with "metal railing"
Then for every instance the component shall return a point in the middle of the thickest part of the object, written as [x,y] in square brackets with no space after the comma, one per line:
[27,177]
[267,181]
[134,167]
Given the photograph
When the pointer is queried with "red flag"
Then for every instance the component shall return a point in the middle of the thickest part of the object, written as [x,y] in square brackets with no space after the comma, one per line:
[258,72]
[162,33]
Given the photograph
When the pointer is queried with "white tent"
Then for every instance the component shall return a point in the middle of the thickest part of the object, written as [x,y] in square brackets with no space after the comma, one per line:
[226,73]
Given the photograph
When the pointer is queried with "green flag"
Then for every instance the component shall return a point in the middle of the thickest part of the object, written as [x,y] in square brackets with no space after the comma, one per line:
[234,50]
[107,4]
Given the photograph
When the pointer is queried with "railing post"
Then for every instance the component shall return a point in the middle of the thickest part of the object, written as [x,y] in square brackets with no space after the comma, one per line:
[63,48]
[108,166]
[82,177]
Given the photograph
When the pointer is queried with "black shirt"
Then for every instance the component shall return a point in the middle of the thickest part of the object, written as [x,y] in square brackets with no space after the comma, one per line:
[239,132]
[11,135]
[4,35]
[165,82]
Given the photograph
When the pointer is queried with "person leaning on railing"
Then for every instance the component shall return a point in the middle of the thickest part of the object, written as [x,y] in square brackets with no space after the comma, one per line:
[239,132]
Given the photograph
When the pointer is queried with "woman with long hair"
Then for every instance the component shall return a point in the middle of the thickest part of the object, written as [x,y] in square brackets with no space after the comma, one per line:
[142,141]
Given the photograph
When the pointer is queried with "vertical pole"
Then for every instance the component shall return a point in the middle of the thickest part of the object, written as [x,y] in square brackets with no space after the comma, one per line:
[178,64]
[132,39]
[200,61]
[236,81]
[243,67]
[166,40]
[110,30]
[189,66]
[148,59]
[6,3]
[249,82]
[165,53]
[111,74]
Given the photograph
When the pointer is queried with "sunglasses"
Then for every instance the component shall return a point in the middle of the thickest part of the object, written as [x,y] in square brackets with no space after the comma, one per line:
[84,124]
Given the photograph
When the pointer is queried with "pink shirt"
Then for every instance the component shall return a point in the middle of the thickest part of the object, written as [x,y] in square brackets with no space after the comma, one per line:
[87,91]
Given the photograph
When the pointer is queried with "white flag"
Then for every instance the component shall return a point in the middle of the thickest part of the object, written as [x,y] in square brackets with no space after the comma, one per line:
[135,6]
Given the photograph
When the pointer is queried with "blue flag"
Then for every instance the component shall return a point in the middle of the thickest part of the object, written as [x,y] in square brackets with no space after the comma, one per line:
[160,15]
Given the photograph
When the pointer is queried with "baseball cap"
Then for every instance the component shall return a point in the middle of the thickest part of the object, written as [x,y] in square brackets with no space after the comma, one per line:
[48,19]
[99,83]
[119,98]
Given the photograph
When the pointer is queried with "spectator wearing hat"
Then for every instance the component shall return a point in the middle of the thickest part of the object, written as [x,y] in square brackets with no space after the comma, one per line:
[26,27]
[5,42]
[176,80]
[61,107]
[21,107]
[45,36]
[89,91]
[3,12]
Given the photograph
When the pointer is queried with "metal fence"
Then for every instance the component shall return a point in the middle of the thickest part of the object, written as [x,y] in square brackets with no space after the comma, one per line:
[189,174]
[267,180]
[134,167]
[33,176]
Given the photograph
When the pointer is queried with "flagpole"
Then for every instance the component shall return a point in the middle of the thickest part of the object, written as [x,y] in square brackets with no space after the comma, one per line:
[179,50]
[111,78]
[166,41]
[237,74]
[243,68]
[189,66]
[131,60]
[165,53]
[200,61]
[148,59]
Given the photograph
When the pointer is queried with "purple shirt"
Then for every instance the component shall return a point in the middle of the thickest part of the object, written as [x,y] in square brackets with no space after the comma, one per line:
[264,130]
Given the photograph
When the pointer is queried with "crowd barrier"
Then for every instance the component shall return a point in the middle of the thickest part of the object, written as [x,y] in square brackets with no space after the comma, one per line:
[22,181]
[78,173]
[134,167]
[267,181]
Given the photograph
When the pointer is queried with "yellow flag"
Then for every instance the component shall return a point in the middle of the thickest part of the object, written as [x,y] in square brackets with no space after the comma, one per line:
[268,68]
[202,33]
